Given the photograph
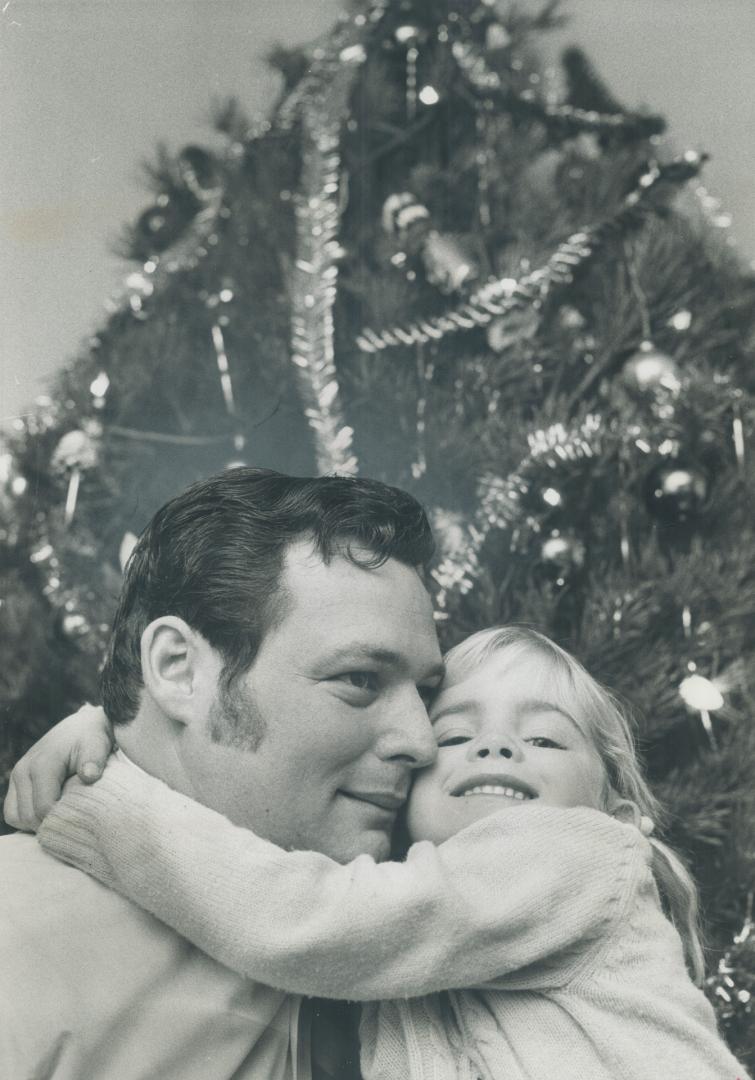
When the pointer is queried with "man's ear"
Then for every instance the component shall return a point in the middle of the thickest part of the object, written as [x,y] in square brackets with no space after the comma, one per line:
[179,668]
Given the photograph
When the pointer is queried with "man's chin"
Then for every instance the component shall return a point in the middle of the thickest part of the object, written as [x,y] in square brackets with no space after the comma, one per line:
[379,846]
[364,827]
[373,842]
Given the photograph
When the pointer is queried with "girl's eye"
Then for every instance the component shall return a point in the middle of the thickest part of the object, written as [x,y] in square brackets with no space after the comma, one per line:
[453,740]
[544,741]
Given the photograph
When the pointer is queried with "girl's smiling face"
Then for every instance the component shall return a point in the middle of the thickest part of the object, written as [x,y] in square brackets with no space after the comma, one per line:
[507,734]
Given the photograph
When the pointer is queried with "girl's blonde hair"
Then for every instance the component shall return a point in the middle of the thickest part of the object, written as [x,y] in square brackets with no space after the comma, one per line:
[607,723]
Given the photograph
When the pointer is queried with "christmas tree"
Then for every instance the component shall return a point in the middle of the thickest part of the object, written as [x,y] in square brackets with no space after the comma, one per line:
[441,264]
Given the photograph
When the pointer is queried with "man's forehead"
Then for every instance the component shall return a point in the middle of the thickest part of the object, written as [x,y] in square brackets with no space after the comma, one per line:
[387,607]
[306,572]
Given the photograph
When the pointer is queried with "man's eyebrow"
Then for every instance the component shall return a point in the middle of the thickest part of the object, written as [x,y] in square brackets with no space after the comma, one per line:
[357,652]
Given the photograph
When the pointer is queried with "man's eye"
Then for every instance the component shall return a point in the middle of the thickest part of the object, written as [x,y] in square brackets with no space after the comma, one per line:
[544,741]
[427,693]
[361,680]
[453,740]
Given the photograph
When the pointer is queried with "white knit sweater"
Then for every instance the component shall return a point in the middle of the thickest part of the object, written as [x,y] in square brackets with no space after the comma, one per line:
[546,920]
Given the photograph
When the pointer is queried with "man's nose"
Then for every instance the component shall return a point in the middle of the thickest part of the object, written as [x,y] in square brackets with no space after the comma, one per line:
[410,737]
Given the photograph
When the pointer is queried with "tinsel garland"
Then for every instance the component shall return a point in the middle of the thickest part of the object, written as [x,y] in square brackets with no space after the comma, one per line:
[185,254]
[499,506]
[343,45]
[314,282]
[322,105]
[566,119]
[504,295]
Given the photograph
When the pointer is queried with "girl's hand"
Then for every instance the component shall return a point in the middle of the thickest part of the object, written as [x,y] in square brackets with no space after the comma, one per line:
[78,745]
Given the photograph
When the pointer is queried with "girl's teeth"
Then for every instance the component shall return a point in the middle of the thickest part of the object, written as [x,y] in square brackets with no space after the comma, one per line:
[496,789]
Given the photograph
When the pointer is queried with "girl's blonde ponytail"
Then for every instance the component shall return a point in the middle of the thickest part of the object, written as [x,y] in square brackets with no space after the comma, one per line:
[679,892]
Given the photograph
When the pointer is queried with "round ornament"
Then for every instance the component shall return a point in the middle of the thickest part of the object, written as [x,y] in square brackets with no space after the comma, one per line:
[75,624]
[516,326]
[649,370]
[407,35]
[561,554]
[681,320]
[428,95]
[675,493]
[552,497]
[447,264]
[198,170]
[496,37]
[700,694]
[586,145]
[403,214]
[353,54]
[162,224]
[76,450]
[571,318]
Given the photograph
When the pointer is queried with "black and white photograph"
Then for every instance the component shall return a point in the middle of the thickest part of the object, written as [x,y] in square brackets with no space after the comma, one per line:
[377,535]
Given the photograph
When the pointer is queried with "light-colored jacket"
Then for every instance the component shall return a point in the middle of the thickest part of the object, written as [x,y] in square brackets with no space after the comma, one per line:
[94,988]
[546,922]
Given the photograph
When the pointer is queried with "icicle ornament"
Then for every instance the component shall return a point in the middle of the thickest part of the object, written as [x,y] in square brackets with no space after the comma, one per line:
[76,452]
[409,36]
[98,388]
[226,385]
[738,429]
[425,372]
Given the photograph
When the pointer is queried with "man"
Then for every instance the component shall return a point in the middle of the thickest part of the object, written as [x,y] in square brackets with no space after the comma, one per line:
[270,657]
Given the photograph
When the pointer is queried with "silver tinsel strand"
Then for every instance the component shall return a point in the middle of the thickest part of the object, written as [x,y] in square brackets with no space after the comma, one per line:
[504,295]
[499,506]
[322,105]
[488,83]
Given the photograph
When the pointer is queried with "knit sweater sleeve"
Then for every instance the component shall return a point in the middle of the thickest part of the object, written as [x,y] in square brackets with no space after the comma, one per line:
[510,892]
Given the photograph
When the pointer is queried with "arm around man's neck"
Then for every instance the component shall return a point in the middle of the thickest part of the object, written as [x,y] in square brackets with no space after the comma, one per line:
[458,915]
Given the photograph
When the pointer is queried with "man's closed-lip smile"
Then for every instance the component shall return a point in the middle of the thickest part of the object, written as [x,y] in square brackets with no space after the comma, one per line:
[383,800]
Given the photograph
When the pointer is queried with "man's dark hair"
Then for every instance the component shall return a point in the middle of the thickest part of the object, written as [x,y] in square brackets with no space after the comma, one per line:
[214,555]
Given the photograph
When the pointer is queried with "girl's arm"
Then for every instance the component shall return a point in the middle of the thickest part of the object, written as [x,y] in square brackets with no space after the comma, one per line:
[510,891]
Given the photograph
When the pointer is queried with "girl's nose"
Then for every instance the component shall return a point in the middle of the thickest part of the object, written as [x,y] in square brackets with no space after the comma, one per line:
[493,748]
[486,751]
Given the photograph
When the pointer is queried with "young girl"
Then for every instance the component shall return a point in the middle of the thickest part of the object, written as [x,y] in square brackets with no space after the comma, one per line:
[522,937]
